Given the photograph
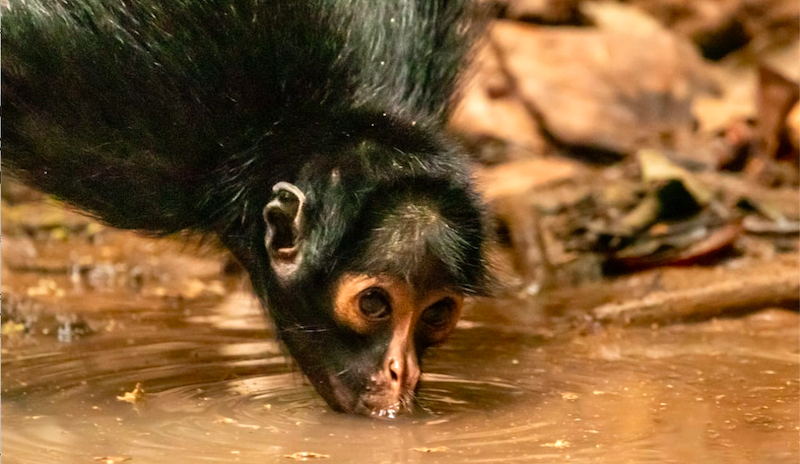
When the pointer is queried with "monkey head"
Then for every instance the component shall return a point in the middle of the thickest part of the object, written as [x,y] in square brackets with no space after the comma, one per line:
[364,268]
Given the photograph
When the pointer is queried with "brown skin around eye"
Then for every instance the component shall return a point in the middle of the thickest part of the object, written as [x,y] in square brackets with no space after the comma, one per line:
[364,303]
[439,315]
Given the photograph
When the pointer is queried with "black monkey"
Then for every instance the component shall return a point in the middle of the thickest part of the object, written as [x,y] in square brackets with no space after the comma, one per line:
[307,135]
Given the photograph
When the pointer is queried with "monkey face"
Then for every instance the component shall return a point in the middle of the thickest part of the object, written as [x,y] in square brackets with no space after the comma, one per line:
[359,321]
[360,343]
[402,322]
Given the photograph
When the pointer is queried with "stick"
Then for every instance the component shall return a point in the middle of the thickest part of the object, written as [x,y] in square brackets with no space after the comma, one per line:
[747,289]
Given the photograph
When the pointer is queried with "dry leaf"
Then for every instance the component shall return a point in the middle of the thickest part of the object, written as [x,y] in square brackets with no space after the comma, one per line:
[11,327]
[656,167]
[134,396]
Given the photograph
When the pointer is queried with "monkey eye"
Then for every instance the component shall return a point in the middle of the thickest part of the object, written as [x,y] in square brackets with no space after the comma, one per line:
[374,304]
[438,315]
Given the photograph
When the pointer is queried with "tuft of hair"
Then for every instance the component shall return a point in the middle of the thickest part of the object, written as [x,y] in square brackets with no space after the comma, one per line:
[412,240]
[428,240]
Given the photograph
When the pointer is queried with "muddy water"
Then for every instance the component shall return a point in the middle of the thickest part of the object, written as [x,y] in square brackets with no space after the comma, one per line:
[518,382]
[219,389]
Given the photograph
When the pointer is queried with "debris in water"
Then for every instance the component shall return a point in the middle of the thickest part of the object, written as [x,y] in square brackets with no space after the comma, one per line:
[11,327]
[46,287]
[134,396]
[196,287]
[72,327]
[305,456]
[557,444]
[112,459]
[438,449]
[228,420]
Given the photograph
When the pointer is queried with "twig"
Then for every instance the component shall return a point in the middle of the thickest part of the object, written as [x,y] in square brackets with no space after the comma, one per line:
[777,285]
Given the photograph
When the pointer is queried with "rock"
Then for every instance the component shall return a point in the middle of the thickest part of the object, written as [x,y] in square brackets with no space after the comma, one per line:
[611,88]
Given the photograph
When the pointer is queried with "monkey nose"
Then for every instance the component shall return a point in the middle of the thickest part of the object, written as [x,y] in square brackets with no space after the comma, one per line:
[402,373]
[396,370]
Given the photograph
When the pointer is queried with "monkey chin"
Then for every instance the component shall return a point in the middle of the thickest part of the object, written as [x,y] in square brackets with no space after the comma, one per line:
[374,402]
[370,405]
[376,406]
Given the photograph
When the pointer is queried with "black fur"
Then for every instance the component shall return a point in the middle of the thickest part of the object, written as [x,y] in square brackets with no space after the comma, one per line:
[159,106]
[180,115]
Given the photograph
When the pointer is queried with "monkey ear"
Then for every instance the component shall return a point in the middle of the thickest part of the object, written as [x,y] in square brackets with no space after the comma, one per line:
[283,216]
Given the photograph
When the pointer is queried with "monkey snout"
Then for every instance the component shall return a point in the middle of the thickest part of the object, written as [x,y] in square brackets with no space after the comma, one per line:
[401,374]
[391,391]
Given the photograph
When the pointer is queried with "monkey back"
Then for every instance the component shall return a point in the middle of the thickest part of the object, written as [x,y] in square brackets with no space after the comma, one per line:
[152,114]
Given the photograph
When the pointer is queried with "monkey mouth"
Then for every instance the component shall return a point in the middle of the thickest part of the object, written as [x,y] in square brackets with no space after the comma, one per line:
[380,412]
[388,413]
[382,407]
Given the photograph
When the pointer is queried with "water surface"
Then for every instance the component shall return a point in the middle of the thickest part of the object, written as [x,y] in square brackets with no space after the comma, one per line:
[218,388]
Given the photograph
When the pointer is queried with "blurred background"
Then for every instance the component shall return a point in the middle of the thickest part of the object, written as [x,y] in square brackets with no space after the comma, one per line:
[640,163]
[616,136]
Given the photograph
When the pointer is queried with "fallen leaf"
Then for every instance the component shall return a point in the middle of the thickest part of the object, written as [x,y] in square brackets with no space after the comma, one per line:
[656,167]
[134,396]
[11,327]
